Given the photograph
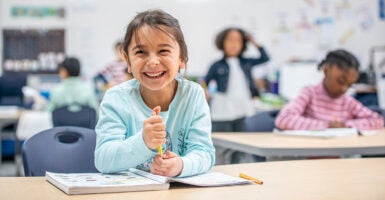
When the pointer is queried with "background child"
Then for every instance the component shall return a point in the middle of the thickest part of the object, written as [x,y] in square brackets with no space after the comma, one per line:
[72,90]
[327,105]
[116,71]
[232,73]
[129,131]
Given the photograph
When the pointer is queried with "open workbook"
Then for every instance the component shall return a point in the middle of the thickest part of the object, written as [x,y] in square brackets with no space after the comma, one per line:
[327,133]
[133,180]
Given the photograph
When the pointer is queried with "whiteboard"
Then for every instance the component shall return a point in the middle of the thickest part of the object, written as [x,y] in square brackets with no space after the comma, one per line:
[294,77]
[287,29]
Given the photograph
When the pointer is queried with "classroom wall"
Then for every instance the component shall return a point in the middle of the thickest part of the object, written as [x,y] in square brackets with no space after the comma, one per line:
[295,29]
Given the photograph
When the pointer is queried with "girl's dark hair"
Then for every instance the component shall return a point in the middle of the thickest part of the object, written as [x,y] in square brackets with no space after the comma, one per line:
[160,20]
[342,58]
[72,65]
[220,39]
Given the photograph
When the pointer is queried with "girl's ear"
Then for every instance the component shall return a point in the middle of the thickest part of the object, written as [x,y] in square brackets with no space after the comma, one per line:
[125,57]
[325,69]
[182,64]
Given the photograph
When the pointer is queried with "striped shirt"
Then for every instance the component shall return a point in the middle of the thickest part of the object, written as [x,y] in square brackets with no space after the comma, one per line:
[313,109]
[115,72]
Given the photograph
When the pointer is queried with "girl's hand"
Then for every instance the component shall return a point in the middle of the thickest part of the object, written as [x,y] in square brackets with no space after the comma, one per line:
[336,124]
[169,164]
[154,130]
[251,40]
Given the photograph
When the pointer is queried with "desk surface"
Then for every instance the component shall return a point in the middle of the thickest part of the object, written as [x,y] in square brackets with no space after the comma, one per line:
[269,144]
[305,179]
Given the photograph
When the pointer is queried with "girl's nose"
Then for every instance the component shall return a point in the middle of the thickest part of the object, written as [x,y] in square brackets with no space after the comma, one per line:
[153,61]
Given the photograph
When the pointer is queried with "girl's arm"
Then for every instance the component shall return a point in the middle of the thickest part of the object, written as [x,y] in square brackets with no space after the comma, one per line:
[199,156]
[291,116]
[264,57]
[363,118]
[117,147]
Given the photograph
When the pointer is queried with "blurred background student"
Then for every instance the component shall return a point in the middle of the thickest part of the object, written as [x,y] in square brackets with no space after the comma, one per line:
[116,71]
[327,105]
[232,74]
[72,90]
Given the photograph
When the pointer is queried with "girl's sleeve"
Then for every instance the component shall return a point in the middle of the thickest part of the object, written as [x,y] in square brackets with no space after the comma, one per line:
[363,118]
[118,149]
[210,74]
[262,59]
[291,116]
[199,156]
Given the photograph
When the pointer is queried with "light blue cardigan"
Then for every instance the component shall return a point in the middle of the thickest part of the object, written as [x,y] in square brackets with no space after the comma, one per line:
[120,143]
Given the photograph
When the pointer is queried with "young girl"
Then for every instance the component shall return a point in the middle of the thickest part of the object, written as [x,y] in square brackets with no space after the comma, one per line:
[232,103]
[129,131]
[327,105]
[232,74]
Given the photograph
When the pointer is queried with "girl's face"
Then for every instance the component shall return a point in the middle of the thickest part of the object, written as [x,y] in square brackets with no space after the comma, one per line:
[155,61]
[337,81]
[63,73]
[233,44]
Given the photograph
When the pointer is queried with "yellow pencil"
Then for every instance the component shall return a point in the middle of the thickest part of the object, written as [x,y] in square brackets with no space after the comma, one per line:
[160,150]
[242,175]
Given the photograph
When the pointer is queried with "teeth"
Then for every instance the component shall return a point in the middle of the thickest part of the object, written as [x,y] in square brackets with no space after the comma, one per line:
[154,74]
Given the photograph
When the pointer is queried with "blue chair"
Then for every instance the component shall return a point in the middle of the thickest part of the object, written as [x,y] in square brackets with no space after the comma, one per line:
[64,149]
[11,84]
[261,121]
[74,115]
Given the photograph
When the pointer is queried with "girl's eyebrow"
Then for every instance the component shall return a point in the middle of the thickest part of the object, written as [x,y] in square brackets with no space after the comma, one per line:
[139,46]
[165,45]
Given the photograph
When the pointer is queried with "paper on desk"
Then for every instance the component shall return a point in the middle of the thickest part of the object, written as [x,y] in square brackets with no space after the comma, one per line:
[327,133]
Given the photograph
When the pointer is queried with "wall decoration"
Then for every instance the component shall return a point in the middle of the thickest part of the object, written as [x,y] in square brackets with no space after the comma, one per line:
[37,12]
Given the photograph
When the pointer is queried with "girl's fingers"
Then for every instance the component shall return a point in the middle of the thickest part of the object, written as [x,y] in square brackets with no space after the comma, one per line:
[158,127]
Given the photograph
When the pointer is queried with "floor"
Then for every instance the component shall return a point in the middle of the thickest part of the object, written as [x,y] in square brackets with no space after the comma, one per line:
[8,168]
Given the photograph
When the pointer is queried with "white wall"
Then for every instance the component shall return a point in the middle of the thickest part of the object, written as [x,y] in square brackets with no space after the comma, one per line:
[93,26]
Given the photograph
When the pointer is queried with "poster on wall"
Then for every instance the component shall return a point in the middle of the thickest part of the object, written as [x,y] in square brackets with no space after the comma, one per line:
[37,12]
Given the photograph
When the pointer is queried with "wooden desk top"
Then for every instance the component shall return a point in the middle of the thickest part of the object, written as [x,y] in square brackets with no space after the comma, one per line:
[9,114]
[305,179]
[270,144]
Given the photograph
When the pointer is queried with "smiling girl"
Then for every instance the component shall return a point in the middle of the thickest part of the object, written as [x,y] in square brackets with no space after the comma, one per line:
[129,131]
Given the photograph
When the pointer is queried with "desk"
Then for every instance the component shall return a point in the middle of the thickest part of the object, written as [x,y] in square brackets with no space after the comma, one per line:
[8,115]
[305,179]
[32,122]
[269,144]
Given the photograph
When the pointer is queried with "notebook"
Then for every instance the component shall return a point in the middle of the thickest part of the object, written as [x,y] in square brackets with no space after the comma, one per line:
[327,133]
[133,180]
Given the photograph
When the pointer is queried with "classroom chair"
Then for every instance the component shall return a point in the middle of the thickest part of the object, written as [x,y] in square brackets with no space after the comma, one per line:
[74,115]
[11,84]
[261,121]
[65,149]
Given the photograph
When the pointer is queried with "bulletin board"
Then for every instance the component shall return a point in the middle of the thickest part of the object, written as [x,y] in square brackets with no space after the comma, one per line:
[289,30]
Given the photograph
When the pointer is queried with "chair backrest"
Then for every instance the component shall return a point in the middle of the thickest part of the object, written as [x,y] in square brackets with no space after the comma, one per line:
[64,149]
[81,116]
[11,84]
[261,121]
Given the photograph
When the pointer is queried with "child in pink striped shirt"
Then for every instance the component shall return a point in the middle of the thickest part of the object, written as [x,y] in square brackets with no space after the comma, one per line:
[327,105]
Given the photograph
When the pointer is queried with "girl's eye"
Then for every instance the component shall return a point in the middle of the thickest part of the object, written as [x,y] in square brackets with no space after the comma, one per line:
[138,52]
[164,51]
